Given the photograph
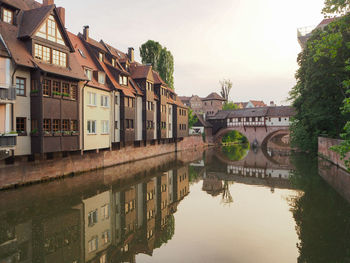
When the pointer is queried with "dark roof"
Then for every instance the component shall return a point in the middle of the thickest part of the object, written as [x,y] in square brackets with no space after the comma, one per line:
[32,20]
[157,78]
[21,4]
[141,71]
[278,111]
[214,96]
[201,122]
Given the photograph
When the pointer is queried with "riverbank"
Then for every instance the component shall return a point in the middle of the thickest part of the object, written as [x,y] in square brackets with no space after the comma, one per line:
[23,173]
[324,151]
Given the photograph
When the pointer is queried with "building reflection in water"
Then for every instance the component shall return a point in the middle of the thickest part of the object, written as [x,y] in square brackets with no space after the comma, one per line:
[112,223]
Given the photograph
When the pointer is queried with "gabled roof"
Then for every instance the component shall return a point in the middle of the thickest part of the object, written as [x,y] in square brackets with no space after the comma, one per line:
[94,43]
[325,22]
[141,71]
[258,103]
[158,79]
[86,60]
[32,20]
[214,96]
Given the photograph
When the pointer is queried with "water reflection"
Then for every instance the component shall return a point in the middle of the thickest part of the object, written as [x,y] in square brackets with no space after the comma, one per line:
[267,200]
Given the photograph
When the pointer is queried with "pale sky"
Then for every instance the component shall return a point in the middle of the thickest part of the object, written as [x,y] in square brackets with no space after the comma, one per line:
[252,42]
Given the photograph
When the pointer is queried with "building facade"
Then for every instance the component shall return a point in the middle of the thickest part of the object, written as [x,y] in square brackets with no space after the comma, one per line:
[62,93]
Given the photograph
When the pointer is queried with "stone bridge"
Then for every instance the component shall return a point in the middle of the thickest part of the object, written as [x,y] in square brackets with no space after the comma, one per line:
[259,125]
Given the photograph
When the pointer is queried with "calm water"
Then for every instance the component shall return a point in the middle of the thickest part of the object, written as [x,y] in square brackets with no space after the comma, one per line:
[233,205]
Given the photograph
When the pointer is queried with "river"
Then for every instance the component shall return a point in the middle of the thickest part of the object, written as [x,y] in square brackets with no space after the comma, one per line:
[222,205]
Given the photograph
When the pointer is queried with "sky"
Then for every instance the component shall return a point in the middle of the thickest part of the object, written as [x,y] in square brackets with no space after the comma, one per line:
[251,42]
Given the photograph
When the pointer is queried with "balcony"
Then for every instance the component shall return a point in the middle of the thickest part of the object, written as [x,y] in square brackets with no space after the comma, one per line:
[8,140]
[7,92]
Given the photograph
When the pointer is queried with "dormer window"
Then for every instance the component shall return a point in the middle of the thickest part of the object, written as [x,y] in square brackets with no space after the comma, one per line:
[100,56]
[101,77]
[7,15]
[123,80]
[113,62]
[50,55]
[88,73]
[49,30]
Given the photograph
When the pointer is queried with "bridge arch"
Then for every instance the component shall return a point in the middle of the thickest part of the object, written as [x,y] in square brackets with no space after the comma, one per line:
[259,134]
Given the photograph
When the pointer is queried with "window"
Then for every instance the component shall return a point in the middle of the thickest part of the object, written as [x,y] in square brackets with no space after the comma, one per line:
[116,100]
[49,30]
[74,126]
[91,127]
[105,211]
[129,124]
[74,92]
[56,125]
[104,101]
[88,73]
[56,88]
[116,125]
[47,125]
[65,125]
[105,127]
[63,59]
[65,89]
[7,15]
[92,218]
[81,53]
[106,237]
[46,87]
[125,80]
[279,119]
[100,56]
[113,62]
[120,80]
[92,97]
[21,126]
[46,54]
[38,51]
[20,86]
[92,244]
[101,77]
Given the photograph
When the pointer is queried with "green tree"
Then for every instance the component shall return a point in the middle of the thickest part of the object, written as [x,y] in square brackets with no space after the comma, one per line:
[150,53]
[319,92]
[226,86]
[229,106]
[336,6]
[161,60]
[192,118]
[166,67]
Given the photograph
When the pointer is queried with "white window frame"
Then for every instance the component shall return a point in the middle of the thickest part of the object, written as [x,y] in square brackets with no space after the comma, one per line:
[92,97]
[90,126]
[88,73]
[104,101]
[101,77]
[105,127]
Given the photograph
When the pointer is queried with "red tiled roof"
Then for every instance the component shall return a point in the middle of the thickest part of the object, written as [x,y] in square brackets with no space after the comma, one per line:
[86,61]
[325,22]
[258,103]
[157,78]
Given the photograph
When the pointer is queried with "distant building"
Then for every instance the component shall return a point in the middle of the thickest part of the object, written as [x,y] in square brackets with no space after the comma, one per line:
[250,104]
[305,33]
[208,106]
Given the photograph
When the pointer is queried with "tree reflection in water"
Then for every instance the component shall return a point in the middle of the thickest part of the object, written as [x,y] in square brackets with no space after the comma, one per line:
[322,216]
[236,152]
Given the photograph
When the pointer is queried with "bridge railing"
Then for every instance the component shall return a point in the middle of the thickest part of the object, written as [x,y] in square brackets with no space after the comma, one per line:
[246,124]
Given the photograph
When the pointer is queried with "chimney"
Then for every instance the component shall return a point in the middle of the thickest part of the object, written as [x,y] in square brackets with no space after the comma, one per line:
[272,104]
[48,2]
[131,55]
[62,14]
[86,33]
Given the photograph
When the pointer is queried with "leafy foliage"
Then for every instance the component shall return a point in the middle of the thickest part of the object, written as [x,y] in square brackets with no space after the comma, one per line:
[226,86]
[161,60]
[234,136]
[336,7]
[319,92]
[192,118]
[236,152]
[229,106]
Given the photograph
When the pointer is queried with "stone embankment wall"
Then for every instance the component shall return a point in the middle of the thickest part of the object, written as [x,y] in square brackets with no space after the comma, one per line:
[324,145]
[22,173]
